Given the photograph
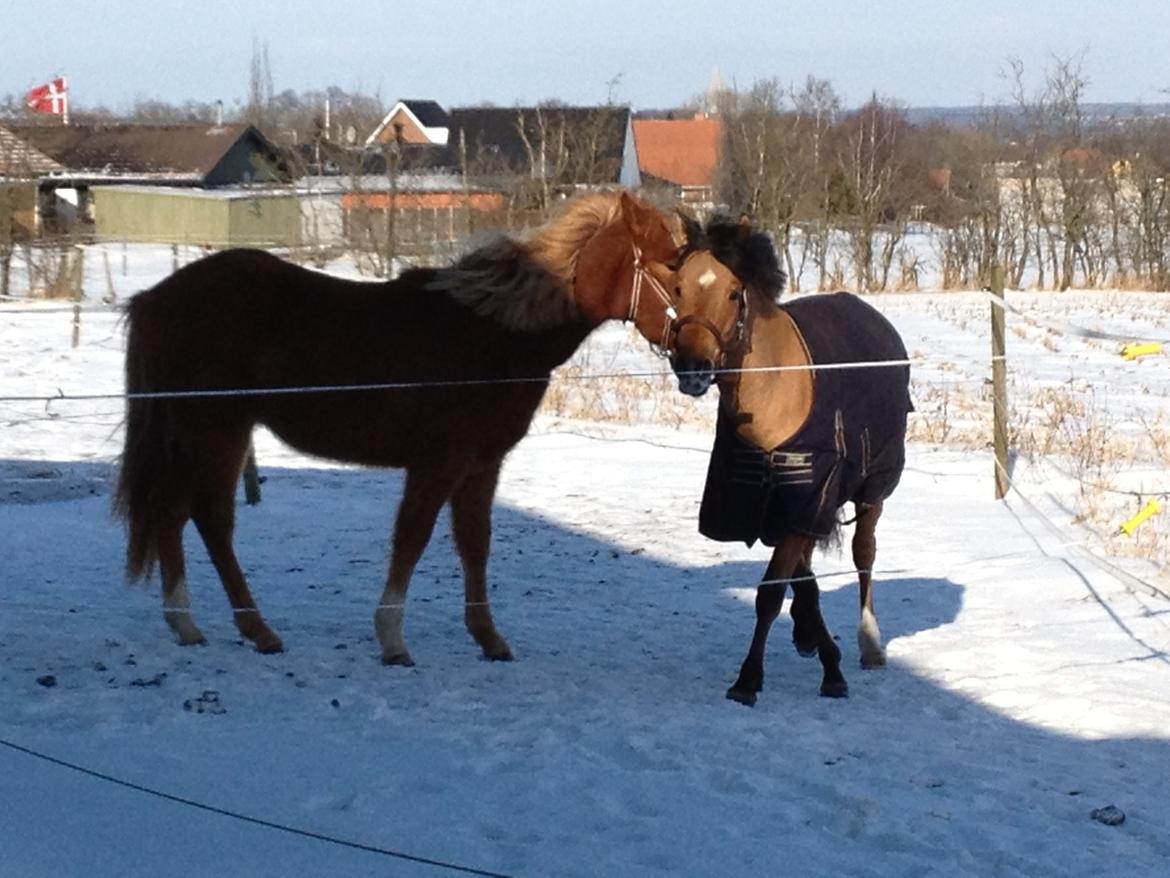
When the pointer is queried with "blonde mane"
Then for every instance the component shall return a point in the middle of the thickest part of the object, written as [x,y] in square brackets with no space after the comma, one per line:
[528,286]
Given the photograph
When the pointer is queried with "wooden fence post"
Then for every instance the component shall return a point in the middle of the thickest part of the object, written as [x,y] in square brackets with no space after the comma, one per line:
[111,293]
[999,383]
[76,324]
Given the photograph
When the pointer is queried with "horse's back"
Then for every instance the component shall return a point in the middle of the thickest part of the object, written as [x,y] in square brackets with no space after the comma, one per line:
[245,320]
[849,329]
[247,309]
[243,282]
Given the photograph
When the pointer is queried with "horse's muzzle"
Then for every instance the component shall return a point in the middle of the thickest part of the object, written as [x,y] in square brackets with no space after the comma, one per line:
[694,377]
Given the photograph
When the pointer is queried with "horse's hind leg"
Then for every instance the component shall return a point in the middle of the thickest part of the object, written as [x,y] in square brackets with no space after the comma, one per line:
[769,599]
[214,514]
[422,498]
[869,636]
[471,523]
[173,567]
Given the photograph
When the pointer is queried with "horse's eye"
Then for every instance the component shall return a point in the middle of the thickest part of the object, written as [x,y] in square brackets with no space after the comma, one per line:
[677,291]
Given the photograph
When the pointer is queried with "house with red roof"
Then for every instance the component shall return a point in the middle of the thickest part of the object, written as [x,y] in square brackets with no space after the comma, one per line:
[682,154]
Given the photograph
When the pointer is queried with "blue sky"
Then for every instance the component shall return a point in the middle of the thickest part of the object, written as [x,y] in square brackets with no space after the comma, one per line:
[459,52]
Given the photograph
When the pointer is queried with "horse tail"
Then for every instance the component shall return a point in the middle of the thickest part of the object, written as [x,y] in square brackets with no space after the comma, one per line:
[147,467]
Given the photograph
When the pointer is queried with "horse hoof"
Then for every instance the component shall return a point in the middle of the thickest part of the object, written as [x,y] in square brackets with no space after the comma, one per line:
[835,690]
[269,644]
[742,696]
[402,660]
[504,655]
[192,640]
[873,662]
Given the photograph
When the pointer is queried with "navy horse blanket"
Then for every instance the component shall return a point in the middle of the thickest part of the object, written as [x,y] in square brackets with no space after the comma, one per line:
[851,447]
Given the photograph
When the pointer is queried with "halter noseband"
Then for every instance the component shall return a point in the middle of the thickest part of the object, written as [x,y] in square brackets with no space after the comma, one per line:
[643,275]
[734,342]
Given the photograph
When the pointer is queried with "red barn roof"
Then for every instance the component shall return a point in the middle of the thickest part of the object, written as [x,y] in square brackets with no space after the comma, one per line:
[680,151]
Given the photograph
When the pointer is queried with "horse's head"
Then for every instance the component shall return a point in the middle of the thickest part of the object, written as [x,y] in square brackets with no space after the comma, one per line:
[711,308]
[655,244]
[712,297]
[616,252]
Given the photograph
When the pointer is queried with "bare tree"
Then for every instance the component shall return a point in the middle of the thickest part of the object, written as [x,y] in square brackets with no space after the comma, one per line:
[872,160]
[260,89]
[1057,182]
[567,148]
[771,161]
[818,104]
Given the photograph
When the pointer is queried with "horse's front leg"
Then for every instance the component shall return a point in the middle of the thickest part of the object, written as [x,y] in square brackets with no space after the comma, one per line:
[869,636]
[769,599]
[805,635]
[806,604]
[423,496]
[471,525]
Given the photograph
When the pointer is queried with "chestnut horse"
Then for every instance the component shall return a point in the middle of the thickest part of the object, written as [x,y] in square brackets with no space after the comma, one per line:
[793,442]
[438,372]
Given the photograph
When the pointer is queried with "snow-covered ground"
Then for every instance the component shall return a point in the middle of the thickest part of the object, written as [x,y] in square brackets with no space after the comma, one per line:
[1028,684]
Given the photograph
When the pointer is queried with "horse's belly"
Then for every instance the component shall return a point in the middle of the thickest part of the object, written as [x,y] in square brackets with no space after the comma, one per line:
[420,429]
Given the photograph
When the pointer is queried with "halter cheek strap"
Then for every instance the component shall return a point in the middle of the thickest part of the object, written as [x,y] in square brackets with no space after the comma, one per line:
[643,275]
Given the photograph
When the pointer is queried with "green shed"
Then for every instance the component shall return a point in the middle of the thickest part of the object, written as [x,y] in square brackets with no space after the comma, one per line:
[207,217]
[18,209]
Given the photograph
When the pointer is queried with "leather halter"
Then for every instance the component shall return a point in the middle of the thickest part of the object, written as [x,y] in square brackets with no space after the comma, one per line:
[643,275]
[735,341]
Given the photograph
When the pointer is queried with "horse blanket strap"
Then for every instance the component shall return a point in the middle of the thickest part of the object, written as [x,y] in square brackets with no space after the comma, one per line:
[851,447]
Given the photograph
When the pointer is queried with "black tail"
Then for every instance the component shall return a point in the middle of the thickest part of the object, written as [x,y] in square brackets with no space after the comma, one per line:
[147,464]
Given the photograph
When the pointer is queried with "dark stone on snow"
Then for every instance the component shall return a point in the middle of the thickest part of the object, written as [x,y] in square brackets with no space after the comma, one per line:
[1110,815]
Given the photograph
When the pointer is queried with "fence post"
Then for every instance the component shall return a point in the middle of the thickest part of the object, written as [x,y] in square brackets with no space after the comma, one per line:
[999,383]
[112,294]
[251,478]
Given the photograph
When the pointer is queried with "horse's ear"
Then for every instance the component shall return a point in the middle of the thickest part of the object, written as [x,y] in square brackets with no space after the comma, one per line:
[691,229]
[632,215]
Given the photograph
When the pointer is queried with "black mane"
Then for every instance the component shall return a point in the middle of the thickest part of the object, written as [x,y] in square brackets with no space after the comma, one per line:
[749,253]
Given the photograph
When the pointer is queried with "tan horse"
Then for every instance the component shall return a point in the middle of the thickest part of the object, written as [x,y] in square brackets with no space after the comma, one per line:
[438,372]
[793,443]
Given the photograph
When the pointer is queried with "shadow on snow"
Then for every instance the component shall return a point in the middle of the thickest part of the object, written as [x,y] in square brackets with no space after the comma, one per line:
[609,643]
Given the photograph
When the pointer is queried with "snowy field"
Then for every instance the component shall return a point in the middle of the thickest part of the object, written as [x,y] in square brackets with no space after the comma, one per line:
[1028,683]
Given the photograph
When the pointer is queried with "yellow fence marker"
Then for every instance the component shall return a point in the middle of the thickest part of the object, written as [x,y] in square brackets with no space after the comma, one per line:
[1134,350]
[1152,508]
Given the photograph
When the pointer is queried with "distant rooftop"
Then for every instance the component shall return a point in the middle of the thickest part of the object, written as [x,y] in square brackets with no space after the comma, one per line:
[19,159]
[680,151]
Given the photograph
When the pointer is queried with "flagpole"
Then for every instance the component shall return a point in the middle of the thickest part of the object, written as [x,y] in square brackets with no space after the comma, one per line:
[65,113]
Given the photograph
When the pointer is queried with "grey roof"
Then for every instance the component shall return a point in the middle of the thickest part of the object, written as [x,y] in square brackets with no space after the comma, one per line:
[428,113]
[497,134]
[178,153]
[21,160]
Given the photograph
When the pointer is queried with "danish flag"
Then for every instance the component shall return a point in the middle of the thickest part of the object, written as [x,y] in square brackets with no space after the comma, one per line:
[52,97]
